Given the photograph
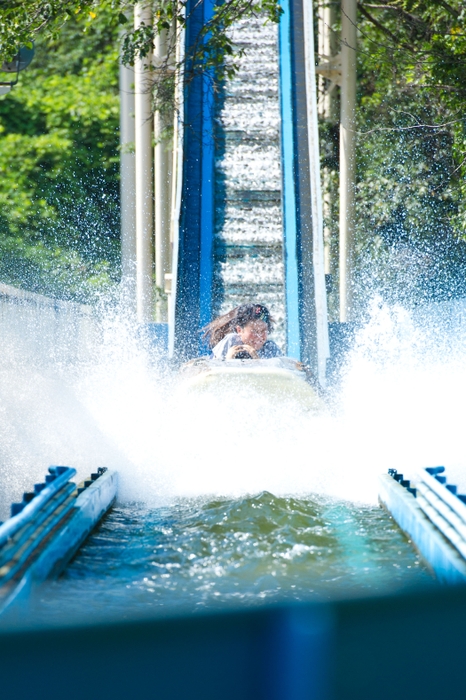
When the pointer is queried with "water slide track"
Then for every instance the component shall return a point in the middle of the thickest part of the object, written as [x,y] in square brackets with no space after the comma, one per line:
[247,227]
[235,178]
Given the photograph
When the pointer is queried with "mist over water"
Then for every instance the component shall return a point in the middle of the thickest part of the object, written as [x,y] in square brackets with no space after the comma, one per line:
[43,422]
[403,393]
[399,405]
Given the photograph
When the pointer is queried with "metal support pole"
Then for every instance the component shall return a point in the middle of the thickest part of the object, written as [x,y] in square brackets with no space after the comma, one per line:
[144,193]
[163,158]
[320,295]
[127,187]
[326,104]
[327,47]
[347,156]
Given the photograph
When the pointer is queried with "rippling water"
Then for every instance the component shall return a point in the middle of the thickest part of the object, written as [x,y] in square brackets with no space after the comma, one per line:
[201,554]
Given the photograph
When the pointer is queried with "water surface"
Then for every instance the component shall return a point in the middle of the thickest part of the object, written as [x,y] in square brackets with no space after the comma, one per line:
[203,553]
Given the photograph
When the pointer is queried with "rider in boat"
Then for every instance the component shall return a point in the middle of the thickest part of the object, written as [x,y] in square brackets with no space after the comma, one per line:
[242,334]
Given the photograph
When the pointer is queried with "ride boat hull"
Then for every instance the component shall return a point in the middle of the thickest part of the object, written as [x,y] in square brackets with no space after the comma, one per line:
[282,379]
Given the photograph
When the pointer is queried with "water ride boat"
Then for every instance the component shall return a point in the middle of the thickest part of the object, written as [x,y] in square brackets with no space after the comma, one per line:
[278,378]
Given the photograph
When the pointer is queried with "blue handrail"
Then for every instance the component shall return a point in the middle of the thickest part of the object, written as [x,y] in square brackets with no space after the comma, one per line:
[58,477]
[30,530]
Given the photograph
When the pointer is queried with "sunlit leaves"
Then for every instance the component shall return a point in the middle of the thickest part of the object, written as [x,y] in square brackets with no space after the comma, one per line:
[59,224]
[411,142]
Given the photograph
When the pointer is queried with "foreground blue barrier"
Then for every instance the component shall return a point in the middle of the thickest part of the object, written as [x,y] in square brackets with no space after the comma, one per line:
[433,515]
[47,527]
[394,647]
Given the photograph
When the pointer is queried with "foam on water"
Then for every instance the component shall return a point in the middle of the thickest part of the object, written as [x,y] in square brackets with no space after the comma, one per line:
[400,405]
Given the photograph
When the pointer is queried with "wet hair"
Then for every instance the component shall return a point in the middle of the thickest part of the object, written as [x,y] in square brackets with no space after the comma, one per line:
[253,312]
[215,331]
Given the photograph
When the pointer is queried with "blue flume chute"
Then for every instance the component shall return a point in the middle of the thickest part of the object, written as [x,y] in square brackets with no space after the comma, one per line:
[193,259]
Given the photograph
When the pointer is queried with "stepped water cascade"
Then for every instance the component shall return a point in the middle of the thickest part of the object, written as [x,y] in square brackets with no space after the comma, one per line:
[248,247]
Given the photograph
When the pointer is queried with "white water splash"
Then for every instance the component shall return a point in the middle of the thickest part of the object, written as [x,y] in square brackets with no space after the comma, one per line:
[400,405]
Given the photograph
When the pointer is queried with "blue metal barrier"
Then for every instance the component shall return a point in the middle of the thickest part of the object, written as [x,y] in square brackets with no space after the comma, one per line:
[297,207]
[23,512]
[289,197]
[433,516]
[48,527]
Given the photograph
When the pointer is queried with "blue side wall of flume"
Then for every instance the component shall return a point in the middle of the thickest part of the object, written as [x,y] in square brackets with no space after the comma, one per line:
[195,262]
[293,335]
[296,187]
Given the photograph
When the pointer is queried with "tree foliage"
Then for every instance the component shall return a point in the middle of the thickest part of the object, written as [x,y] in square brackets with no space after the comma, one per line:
[22,20]
[59,137]
[59,219]
[59,203]
[411,148]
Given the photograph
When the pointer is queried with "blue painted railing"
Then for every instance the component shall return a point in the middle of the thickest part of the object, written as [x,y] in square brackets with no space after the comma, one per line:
[433,515]
[33,502]
[47,527]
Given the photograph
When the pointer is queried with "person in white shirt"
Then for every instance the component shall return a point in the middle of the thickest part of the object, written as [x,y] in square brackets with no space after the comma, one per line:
[242,334]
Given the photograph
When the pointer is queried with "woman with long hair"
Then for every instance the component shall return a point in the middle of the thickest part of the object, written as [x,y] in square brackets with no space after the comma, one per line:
[242,334]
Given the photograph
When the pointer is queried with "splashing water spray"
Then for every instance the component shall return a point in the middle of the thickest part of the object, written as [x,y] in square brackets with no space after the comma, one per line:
[398,405]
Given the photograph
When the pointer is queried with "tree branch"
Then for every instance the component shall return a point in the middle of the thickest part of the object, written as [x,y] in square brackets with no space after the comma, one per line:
[383,29]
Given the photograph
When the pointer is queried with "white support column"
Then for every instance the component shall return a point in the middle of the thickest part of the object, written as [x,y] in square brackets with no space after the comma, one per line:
[320,294]
[127,187]
[326,48]
[347,156]
[163,158]
[326,103]
[144,179]
[171,278]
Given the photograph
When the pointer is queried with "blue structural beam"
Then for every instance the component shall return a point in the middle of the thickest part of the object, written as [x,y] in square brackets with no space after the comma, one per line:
[290,225]
[193,305]
[380,648]
[297,208]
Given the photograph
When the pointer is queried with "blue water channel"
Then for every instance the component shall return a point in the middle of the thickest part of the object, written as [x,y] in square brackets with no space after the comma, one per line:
[205,554]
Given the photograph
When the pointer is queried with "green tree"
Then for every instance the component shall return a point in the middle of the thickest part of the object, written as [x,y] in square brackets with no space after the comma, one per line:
[59,220]
[59,203]
[411,149]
